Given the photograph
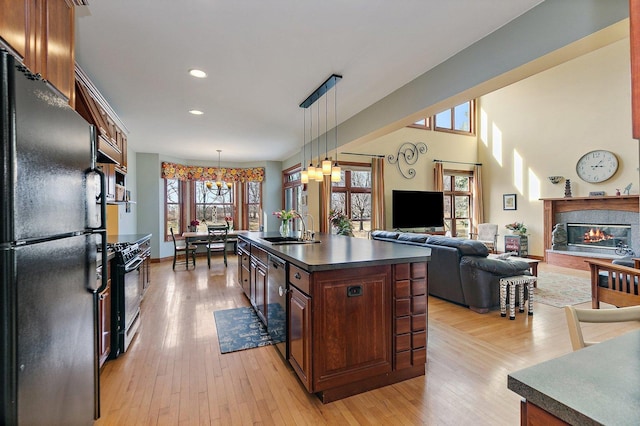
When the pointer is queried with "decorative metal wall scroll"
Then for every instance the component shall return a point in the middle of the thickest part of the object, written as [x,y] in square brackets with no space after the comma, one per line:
[408,153]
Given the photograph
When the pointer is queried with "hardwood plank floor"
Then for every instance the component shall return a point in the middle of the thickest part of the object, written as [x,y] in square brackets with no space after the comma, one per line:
[174,374]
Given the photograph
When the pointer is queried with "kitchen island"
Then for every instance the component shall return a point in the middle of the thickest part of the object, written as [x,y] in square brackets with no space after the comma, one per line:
[356,309]
[597,385]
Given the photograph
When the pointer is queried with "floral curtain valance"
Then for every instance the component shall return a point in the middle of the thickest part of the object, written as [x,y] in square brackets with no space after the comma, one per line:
[180,172]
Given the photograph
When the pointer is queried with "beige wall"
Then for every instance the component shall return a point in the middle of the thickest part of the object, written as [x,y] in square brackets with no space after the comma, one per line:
[542,125]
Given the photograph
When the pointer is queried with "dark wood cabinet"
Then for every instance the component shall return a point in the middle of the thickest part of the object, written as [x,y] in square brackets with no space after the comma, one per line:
[410,316]
[104,319]
[41,33]
[300,335]
[352,325]
[244,270]
[260,289]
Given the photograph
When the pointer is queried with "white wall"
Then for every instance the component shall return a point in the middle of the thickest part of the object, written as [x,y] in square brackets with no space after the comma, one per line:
[542,125]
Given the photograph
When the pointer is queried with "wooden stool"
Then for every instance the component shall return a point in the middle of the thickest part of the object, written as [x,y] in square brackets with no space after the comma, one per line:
[513,282]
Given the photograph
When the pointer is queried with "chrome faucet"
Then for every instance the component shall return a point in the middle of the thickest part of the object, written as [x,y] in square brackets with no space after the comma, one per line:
[311,234]
[304,235]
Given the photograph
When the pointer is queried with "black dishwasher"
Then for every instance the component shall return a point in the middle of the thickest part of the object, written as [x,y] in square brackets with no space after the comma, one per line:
[277,303]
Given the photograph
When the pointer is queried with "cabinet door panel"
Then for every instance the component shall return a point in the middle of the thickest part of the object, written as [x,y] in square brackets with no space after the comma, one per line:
[300,336]
[352,325]
[13,24]
[60,58]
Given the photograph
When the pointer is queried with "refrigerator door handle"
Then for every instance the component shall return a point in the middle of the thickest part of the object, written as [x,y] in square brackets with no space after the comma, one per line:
[102,229]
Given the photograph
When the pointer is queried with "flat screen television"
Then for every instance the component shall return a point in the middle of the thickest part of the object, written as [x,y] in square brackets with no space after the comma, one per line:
[417,209]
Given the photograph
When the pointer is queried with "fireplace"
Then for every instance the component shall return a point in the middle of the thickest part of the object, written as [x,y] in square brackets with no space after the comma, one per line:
[602,211]
[600,236]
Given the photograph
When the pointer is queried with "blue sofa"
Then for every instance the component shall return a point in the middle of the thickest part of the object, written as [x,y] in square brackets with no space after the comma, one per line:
[459,270]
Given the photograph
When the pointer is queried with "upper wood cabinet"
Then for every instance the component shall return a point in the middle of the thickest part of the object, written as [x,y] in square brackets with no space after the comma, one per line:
[41,33]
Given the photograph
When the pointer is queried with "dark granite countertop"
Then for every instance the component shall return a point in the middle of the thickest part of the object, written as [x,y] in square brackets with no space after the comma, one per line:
[599,384]
[127,238]
[335,252]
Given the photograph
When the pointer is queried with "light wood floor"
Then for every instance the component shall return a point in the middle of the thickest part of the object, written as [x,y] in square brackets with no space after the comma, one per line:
[173,373]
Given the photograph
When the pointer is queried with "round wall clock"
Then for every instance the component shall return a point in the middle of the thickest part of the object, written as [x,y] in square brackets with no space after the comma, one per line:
[597,166]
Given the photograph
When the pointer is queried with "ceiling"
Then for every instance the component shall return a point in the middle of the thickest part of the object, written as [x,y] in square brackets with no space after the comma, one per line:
[263,58]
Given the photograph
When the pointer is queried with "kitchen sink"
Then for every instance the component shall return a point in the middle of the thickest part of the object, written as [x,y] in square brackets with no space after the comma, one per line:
[288,240]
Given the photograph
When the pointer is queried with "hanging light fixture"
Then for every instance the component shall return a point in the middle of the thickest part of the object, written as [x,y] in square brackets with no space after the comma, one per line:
[336,172]
[326,163]
[220,183]
[317,173]
[304,174]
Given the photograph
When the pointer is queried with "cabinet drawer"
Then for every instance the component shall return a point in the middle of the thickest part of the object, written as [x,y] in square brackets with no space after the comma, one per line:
[403,325]
[403,360]
[402,289]
[419,356]
[419,305]
[260,254]
[403,307]
[419,322]
[403,342]
[419,270]
[419,339]
[244,245]
[300,278]
[419,287]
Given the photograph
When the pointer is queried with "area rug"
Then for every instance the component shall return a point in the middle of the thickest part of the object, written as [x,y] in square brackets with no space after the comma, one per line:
[560,290]
[240,329]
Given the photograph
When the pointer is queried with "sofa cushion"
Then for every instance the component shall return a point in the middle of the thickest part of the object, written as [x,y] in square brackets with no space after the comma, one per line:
[464,246]
[413,238]
[503,268]
[387,235]
[624,261]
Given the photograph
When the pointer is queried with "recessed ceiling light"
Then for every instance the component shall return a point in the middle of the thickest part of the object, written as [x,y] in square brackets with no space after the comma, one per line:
[197,73]
[195,112]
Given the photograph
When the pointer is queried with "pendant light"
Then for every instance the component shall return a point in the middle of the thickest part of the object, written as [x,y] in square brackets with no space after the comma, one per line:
[318,167]
[336,172]
[311,171]
[219,181]
[326,163]
[304,174]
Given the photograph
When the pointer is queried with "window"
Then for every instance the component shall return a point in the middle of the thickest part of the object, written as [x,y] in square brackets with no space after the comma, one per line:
[292,191]
[253,203]
[423,123]
[457,202]
[188,200]
[459,119]
[352,196]
[209,206]
[174,213]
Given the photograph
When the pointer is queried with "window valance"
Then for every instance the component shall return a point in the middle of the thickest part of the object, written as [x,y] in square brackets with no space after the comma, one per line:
[180,172]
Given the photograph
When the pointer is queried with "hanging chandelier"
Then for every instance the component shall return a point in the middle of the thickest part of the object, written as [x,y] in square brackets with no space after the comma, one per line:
[222,187]
[324,168]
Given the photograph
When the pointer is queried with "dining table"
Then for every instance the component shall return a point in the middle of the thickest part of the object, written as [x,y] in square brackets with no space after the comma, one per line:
[200,237]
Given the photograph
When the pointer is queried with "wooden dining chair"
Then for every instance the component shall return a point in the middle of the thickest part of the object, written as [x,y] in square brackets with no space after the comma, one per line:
[180,247]
[575,316]
[217,241]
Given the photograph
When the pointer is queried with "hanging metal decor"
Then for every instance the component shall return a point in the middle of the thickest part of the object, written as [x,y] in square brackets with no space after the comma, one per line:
[406,156]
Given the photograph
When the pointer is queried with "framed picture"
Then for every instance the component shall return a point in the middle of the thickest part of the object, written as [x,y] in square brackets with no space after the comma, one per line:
[509,202]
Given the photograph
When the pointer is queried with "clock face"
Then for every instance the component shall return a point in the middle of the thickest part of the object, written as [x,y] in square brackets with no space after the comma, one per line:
[597,166]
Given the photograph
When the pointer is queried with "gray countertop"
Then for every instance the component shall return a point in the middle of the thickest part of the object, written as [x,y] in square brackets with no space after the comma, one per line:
[596,385]
[335,252]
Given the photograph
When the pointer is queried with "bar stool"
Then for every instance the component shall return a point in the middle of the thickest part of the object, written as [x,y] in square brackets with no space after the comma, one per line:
[510,283]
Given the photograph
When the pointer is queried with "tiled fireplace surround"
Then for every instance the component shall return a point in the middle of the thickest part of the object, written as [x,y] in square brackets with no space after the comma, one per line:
[593,210]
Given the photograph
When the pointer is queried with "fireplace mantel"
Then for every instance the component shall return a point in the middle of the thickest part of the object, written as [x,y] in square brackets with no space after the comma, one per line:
[553,206]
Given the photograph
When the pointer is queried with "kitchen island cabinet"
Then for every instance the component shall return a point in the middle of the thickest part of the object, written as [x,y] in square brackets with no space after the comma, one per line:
[356,312]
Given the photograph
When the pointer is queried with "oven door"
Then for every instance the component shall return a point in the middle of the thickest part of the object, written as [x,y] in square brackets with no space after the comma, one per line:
[128,304]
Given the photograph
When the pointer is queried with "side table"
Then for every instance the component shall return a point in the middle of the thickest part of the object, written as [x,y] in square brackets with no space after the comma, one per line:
[510,283]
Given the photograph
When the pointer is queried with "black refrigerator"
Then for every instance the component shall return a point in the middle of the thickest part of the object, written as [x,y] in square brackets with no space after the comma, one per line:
[49,233]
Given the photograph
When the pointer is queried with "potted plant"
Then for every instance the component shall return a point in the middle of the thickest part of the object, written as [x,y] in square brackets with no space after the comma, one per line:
[194,225]
[517,228]
[341,223]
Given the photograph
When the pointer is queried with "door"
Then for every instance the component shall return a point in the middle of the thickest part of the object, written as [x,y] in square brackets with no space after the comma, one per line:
[56,331]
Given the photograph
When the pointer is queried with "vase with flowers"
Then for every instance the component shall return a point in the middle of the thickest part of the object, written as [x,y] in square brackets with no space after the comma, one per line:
[286,216]
[229,221]
[517,228]
[193,226]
